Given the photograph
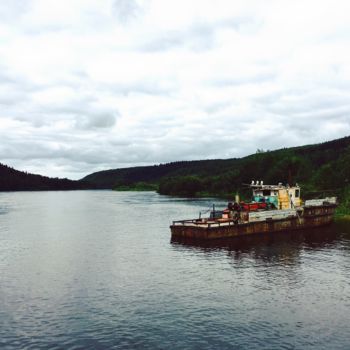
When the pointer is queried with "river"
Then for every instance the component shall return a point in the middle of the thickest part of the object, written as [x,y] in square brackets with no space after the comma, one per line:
[98,270]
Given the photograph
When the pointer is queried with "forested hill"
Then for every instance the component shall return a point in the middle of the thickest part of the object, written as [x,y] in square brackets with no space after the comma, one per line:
[14,180]
[319,167]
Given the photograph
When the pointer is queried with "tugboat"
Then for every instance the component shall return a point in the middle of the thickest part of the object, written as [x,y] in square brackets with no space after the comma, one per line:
[274,208]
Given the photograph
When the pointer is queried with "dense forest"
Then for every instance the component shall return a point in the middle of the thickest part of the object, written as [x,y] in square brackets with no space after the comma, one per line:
[14,180]
[321,169]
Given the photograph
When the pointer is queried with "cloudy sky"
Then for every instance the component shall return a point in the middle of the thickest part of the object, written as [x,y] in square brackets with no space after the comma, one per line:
[87,85]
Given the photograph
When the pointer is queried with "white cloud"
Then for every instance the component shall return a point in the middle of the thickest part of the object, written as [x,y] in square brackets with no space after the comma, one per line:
[87,85]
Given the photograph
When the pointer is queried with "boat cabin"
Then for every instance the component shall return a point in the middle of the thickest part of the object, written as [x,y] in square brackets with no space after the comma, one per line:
[277,196]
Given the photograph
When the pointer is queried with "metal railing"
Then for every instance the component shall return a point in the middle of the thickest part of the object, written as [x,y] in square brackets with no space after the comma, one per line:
[205,222]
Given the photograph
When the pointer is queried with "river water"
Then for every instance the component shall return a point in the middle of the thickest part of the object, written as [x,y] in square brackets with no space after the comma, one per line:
[97,270]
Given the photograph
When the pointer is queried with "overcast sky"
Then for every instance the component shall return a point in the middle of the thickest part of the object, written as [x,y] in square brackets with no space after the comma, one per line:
[87,85]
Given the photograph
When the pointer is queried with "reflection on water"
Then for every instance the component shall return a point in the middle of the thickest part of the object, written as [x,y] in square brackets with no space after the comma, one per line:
[96,270]
[279,246]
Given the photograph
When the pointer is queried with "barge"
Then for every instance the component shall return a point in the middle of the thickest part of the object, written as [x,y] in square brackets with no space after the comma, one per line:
[274,208]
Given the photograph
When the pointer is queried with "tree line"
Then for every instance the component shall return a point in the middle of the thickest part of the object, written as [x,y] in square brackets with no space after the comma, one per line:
[15,180]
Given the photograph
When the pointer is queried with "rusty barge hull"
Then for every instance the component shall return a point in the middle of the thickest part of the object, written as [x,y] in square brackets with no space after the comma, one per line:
[310,218]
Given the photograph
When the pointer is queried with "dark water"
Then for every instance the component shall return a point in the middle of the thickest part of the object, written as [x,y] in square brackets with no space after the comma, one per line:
[97,270]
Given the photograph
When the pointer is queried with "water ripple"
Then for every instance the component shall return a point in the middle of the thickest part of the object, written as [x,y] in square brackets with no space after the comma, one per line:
[96,270]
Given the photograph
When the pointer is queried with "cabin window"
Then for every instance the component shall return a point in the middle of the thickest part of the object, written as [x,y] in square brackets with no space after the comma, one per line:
[266,193]
[297,193]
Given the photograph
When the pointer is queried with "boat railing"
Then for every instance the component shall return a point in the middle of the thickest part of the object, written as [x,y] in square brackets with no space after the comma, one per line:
[321,202]
[206,222]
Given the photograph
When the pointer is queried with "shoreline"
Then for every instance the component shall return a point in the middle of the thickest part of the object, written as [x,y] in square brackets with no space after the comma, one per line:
[345,217]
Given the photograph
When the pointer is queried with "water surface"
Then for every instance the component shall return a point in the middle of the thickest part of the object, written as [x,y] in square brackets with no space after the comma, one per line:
[97,270]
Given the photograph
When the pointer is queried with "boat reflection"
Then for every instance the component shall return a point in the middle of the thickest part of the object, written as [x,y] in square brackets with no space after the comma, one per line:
[270,247]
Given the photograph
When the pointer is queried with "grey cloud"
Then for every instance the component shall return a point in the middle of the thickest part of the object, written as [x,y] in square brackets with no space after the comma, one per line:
[81,119]
[200,141]
[14,96]
[10,10]
[87,115]
[36,120]
[11,98]
[95,121]
[165,42]
[126,10]
[66,146]
[69,151]
[23,147]
[12,80]
[243,25]
[51,28]
[305,103]
[151,86]
[199,36]
[6,77]
[332,114]
[216,107]
[244,79]
[148,87]
[142,87]
[15,93]
[84,112]
[73,149]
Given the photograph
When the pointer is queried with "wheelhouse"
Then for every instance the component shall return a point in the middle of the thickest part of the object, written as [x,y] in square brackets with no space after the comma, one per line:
[277,196]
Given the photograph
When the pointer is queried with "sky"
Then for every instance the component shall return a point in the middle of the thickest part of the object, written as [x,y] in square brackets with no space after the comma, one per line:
[89,85]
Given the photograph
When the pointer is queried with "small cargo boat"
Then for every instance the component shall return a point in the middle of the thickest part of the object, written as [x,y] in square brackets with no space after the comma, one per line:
[274,208]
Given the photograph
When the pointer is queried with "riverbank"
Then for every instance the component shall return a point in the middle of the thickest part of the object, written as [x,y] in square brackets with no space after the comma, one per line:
[138,187]
[342,217]
[342,211]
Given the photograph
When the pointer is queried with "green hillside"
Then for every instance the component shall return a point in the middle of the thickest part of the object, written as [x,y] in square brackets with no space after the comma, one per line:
[14,180]
[320,169]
